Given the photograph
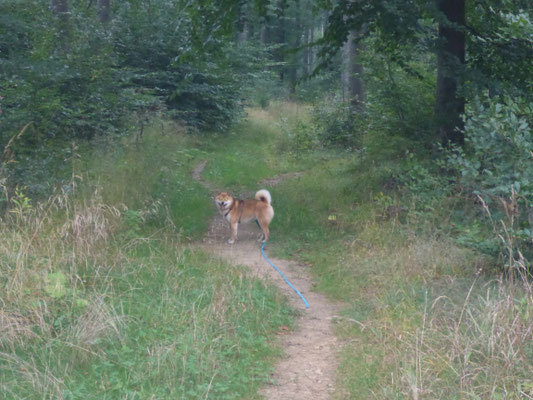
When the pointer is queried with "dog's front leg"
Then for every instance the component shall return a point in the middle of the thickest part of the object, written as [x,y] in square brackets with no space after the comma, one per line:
[234,229]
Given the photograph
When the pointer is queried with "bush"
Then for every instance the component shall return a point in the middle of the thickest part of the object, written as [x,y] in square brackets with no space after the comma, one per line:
[338,123]
[496,161]
[496,167]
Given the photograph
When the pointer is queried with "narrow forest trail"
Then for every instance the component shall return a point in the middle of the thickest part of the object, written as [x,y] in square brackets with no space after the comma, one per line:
[307,370]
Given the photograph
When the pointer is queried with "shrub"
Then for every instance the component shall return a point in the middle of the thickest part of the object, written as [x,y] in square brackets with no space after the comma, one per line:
[496,167]
[339,123]
[496,161]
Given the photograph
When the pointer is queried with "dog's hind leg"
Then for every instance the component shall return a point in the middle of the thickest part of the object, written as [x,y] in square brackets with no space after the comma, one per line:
[261,234]
[263,224]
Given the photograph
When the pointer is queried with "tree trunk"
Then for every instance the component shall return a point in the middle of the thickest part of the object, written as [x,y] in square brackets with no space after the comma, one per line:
[311,55]
[244,32]
[104,10]
[59,7]
[242,36]
[352,72]
[281,39]
[450,101]
[60,11]
[305,53]
[263,34]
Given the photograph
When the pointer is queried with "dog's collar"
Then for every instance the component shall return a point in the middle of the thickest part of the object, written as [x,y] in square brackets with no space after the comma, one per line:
[231,208]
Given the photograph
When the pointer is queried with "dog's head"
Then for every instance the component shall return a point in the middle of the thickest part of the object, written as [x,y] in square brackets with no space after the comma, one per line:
[223,200]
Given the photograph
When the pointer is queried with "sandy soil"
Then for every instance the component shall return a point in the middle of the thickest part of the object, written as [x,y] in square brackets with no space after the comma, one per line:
[307,371]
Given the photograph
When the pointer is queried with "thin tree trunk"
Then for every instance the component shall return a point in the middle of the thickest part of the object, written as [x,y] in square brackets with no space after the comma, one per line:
[263,34]
[352,72]
[104,10]
[311,58]
[450,101]
[305,54]
[281,39]
[61,12]
[59,7]
[243,34]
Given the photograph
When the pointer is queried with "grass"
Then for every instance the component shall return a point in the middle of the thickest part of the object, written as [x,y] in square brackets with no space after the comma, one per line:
[143,178]
[424,317]
[255,150]
[156,320]
[103,296]
[106,298]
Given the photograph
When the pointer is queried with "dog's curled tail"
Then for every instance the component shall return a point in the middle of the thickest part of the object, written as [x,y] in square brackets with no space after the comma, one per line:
[263,195]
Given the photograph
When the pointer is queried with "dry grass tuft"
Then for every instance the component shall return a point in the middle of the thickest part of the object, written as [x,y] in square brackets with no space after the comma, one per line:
[431,326]
[14,329]
[100,321]
[28,374]
[483,346]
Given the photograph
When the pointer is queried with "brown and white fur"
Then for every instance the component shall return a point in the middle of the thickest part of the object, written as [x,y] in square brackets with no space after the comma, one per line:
[236,211]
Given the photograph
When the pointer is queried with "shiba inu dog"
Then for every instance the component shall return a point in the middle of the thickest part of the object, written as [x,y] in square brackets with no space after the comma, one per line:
[236,211]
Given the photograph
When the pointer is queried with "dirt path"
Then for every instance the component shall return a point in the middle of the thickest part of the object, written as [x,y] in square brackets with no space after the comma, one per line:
[307,371]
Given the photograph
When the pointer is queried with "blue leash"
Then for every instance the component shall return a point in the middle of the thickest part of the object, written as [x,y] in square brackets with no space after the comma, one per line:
[283,276]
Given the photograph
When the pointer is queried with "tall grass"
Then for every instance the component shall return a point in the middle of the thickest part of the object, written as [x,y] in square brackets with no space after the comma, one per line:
[425,318]
[102,297]
[151,177]
[256,150]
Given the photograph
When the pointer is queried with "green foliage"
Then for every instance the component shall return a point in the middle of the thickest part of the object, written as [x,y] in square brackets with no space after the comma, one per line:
[245,157]
[151,178]
[396,23]
[111,300]
[75,78]
[56,285]
[21,204]
[166,318]
[400,94]
[501,43]
[179,52]
[51,80]
[298,139]
[496,165]
[208,98]
[415,293]
[402,39]
[497,158]
[133,223]
[425,187]
[476,235]
[339,124]
[264,89]
[62,81]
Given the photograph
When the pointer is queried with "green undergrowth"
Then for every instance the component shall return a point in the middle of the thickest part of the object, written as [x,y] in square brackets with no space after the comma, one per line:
[155,320]
[151,177]
[423,316]
[254,150]
[104,297]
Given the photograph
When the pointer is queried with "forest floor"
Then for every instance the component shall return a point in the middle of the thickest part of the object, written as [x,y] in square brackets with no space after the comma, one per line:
[308,367]
[129,290]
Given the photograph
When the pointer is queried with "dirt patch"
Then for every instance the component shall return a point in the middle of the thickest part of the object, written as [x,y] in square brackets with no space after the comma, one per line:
[280,178]
[197,173]
[308,369]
